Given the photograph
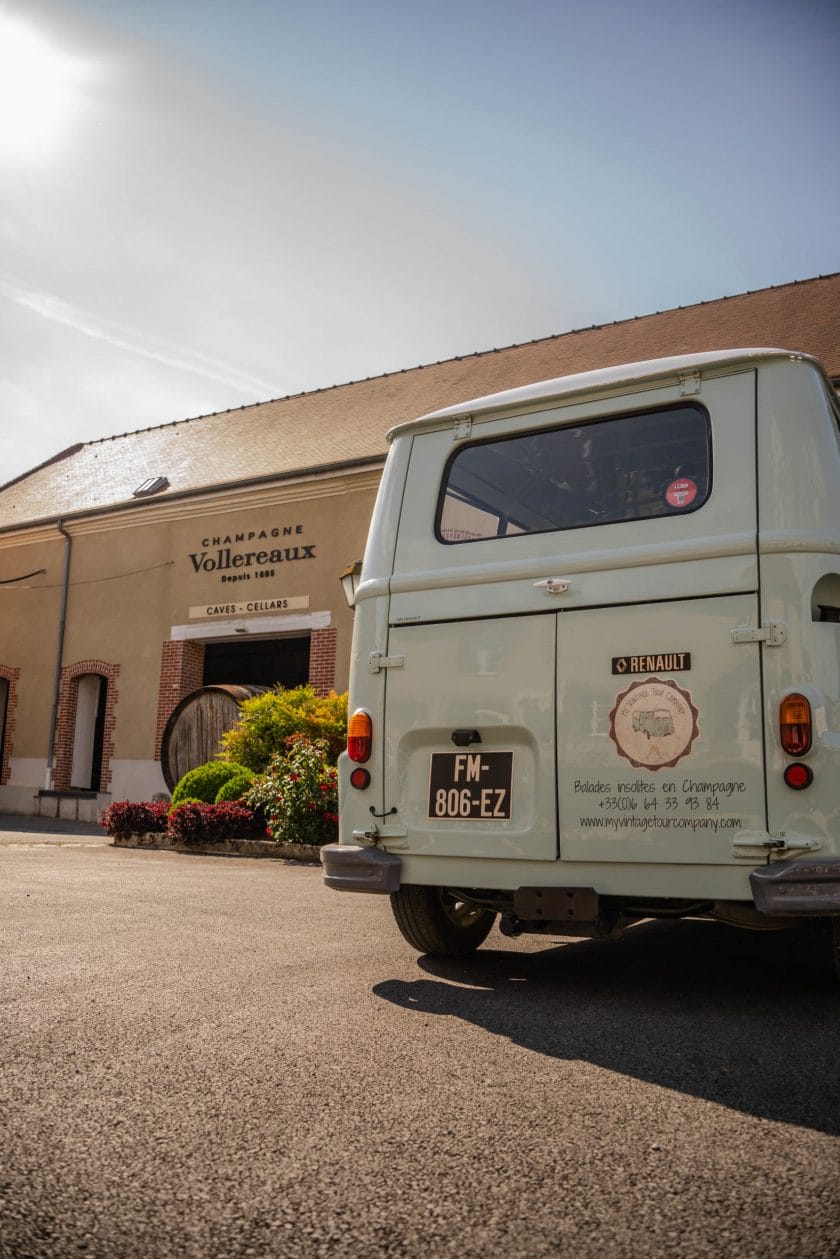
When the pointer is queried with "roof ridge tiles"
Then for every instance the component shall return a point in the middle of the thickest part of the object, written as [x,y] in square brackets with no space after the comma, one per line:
[455,358]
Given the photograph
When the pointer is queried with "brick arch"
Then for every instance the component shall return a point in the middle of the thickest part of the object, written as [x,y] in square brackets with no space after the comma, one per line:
[181,672]
[66,723]
[12,676]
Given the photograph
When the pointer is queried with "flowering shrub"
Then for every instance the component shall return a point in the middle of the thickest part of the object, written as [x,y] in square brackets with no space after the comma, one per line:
[298,794]
[197,823]
[127,817]
[266,721]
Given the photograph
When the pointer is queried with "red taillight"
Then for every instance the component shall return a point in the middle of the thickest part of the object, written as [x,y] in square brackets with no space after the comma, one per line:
[359,736]
[795,724]
[799,776]
[359,778]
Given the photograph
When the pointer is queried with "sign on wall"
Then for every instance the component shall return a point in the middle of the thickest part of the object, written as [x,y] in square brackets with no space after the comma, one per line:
[250,554]
[253,607]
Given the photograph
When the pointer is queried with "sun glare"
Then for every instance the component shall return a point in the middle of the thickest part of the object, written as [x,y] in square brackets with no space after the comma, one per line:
[39,88]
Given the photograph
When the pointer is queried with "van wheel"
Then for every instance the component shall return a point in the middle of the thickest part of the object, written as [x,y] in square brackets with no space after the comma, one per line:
[834,937]
[434,920]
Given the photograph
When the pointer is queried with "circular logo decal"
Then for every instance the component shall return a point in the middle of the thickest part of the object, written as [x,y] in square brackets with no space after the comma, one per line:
[653,724]
[682,492]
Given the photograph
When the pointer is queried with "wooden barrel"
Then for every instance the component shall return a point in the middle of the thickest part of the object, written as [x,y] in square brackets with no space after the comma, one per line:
[196,726]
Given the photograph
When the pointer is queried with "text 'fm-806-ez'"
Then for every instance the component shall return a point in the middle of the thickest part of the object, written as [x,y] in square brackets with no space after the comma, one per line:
[596,661]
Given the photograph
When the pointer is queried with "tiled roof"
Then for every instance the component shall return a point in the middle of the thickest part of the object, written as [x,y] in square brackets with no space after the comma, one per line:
[347,423]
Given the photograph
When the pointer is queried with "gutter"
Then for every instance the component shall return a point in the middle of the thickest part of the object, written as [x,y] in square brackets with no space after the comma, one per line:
[59,653]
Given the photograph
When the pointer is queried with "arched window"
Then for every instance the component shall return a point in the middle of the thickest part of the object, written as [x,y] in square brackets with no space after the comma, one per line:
[4,708]
[8,702]
[84,742]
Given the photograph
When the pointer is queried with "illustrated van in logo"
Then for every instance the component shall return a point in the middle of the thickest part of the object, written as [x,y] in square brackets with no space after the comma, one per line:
[655,724]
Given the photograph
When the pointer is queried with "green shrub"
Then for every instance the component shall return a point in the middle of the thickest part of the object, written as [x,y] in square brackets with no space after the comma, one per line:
[266,721]
[236,787]
[298,794]
[202,783]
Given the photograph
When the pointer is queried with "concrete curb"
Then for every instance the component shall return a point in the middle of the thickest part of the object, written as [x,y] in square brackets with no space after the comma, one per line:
[223,847]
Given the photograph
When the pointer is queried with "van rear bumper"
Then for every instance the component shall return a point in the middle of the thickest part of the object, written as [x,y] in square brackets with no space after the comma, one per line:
[805,888]
[352,868]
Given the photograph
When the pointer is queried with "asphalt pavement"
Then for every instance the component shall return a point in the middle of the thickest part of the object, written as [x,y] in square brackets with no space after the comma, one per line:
[18,825]
[213,1058]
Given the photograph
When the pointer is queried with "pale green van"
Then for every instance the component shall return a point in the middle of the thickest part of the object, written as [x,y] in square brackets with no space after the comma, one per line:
[596,657]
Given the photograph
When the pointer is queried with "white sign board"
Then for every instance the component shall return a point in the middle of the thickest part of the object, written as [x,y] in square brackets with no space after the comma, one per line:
[254,607]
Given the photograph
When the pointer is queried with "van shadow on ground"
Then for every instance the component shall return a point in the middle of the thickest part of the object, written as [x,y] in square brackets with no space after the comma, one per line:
[745,1020]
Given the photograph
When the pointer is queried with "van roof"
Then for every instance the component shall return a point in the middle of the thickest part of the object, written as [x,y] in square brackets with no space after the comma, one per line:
[604,378]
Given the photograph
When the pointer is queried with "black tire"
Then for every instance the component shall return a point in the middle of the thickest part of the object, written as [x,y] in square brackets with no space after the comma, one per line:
[434,920]
[834,938]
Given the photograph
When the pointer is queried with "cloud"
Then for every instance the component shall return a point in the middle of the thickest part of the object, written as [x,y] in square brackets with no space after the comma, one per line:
[134,341]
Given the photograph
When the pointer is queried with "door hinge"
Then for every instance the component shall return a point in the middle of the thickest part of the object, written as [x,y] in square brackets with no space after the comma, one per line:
[773,847]
[463,428]
[378,660]
[772,633]
[689,383]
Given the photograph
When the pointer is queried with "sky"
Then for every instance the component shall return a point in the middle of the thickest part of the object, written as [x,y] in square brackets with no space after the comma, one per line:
[209,203]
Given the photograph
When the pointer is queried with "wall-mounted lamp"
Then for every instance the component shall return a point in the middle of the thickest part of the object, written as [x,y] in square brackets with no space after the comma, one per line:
[350,579]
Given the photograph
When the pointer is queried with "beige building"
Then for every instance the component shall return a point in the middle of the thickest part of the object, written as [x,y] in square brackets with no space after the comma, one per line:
[137,569]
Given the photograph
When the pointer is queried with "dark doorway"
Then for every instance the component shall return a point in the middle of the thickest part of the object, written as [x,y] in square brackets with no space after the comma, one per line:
[264,662]
[99,738]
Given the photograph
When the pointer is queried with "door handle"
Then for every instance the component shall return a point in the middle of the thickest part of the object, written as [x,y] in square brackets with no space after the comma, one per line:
[553,585]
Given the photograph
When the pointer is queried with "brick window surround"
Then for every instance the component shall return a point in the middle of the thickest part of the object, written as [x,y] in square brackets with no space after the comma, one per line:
[12,677]
[66,723]
[322,652]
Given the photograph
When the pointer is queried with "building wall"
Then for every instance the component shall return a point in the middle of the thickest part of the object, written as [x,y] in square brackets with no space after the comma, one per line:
[149,587]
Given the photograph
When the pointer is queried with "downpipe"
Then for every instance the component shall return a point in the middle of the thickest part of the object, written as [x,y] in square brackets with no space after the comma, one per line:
[59,654]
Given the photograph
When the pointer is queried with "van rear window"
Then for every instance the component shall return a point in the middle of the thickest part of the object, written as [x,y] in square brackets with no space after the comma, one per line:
[631,467]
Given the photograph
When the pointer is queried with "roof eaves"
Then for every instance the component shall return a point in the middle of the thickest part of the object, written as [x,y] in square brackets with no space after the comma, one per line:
[107,509]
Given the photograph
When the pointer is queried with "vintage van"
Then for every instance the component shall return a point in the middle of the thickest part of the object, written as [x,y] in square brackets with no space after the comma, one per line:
[596,657]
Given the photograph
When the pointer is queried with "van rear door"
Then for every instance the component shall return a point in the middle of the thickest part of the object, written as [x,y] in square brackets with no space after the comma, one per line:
[573,595]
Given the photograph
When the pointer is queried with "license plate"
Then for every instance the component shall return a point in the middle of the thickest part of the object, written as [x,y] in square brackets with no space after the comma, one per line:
[471,785]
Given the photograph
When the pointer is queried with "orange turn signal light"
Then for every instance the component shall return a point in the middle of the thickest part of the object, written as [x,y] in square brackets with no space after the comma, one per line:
[795,724]
[359,736]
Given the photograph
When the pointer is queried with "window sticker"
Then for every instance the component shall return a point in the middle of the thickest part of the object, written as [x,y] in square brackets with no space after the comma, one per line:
[654,724]
[681,493]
